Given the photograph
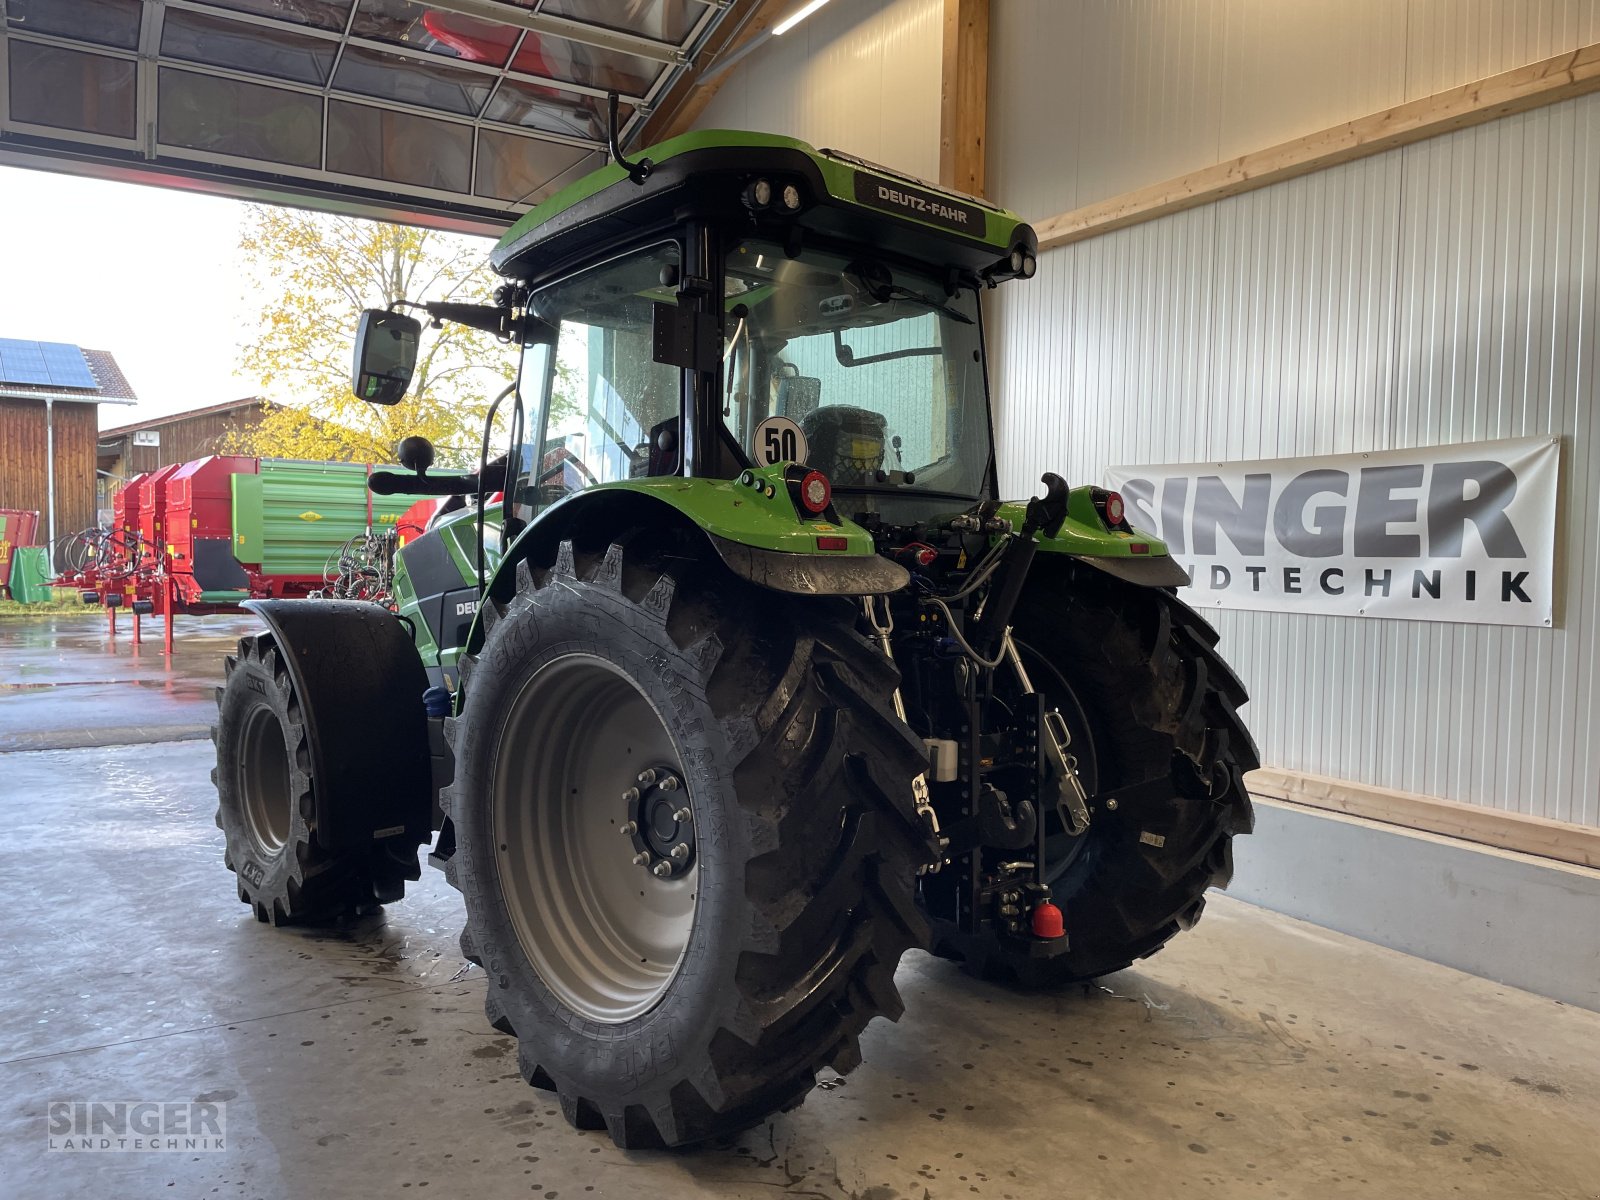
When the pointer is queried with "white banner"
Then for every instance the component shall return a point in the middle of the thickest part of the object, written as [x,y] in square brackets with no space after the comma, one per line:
[1437,533]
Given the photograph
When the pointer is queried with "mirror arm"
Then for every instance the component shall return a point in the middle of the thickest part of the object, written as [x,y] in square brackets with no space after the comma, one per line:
[393,483]
[491,318]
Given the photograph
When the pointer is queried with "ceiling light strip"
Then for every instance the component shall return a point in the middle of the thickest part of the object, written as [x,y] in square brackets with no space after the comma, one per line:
[794,18]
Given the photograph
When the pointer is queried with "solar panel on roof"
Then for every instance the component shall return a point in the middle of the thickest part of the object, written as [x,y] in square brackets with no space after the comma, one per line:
[44,364]
[66,365]
[21,362]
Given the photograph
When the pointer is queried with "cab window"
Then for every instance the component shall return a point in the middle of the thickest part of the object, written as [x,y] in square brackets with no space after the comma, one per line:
[613,411]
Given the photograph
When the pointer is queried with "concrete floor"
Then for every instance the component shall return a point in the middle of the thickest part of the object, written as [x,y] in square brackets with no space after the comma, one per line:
[1257,1056]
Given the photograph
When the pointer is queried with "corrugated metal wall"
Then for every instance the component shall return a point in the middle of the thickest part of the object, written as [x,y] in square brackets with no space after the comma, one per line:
[860,76]
[1444,292]
[1096,97]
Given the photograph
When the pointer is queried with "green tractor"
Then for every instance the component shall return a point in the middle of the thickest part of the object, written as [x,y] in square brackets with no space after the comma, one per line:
[728,678]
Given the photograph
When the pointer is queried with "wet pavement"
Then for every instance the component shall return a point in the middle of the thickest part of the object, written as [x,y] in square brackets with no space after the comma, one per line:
[1257,1056]
[65,682]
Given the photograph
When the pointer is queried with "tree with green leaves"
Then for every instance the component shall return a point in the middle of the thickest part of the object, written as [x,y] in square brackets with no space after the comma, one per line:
[313,274]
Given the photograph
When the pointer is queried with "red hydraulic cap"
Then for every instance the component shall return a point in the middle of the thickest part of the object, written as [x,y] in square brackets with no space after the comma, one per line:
[1047,922]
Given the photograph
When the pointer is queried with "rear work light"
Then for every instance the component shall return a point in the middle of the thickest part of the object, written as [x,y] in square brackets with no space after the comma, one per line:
[758,194]
[816,493]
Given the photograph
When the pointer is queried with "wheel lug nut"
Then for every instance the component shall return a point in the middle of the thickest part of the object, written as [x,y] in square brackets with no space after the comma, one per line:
[669,783]
[680,852]
[683,816]
[662,869]
[629,796]
[628,829]
[1111,804]
[642,859]
[647,777]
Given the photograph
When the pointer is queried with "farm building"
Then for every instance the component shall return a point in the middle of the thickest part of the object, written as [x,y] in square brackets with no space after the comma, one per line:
[49,396]
[128,450]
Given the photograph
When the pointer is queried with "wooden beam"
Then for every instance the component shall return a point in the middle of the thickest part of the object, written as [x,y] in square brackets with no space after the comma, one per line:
[680,108]
[1560,840]
[964,97]
[1575,73]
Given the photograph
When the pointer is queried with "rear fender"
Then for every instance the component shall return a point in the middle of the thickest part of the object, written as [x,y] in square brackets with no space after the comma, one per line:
[1133,556]
[359,683]
[759,537]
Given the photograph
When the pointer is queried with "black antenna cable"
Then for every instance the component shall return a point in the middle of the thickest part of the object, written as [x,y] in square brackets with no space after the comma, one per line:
[637,171]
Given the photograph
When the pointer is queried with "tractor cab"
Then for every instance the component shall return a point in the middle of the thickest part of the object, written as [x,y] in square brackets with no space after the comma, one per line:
[746,300]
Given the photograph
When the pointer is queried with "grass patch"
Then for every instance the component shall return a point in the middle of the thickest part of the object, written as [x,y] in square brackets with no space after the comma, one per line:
[65,602]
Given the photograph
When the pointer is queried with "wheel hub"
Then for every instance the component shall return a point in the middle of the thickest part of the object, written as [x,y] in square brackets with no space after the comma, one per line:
[660,824]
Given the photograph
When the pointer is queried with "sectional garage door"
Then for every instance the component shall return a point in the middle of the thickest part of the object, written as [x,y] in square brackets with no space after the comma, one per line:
[460,113]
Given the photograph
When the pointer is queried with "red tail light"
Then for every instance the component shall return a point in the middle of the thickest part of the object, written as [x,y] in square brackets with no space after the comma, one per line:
[816,493]
[1114,508]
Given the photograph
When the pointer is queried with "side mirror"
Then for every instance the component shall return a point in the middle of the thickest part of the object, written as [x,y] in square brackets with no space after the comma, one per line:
[386,355]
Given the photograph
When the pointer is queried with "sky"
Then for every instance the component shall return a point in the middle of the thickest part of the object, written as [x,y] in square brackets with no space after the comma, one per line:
[150,274]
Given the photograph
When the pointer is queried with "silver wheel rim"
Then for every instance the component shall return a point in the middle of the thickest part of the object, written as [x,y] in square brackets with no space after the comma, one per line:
[605,933]
[264,780]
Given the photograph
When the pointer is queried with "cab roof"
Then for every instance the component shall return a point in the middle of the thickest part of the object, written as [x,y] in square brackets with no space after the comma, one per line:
[706,172]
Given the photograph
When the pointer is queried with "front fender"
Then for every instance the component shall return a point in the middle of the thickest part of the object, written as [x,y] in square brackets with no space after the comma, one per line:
[359,682]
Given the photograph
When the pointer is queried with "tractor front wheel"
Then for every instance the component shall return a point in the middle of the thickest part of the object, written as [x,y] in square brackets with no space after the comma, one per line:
[266,803]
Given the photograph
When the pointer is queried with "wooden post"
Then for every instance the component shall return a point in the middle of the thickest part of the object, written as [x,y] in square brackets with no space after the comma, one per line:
[964,97]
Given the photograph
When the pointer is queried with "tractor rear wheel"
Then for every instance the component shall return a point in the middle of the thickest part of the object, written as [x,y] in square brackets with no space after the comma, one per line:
[1136,676]
[684,872]
[266,803]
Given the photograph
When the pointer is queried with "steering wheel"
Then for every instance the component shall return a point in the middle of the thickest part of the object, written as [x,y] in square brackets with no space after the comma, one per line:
[577,462]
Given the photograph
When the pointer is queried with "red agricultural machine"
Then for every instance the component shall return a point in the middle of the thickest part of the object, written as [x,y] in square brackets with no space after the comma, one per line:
[200,537]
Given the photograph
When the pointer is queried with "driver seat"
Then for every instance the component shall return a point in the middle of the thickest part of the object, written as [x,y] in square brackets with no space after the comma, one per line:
[845,443]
